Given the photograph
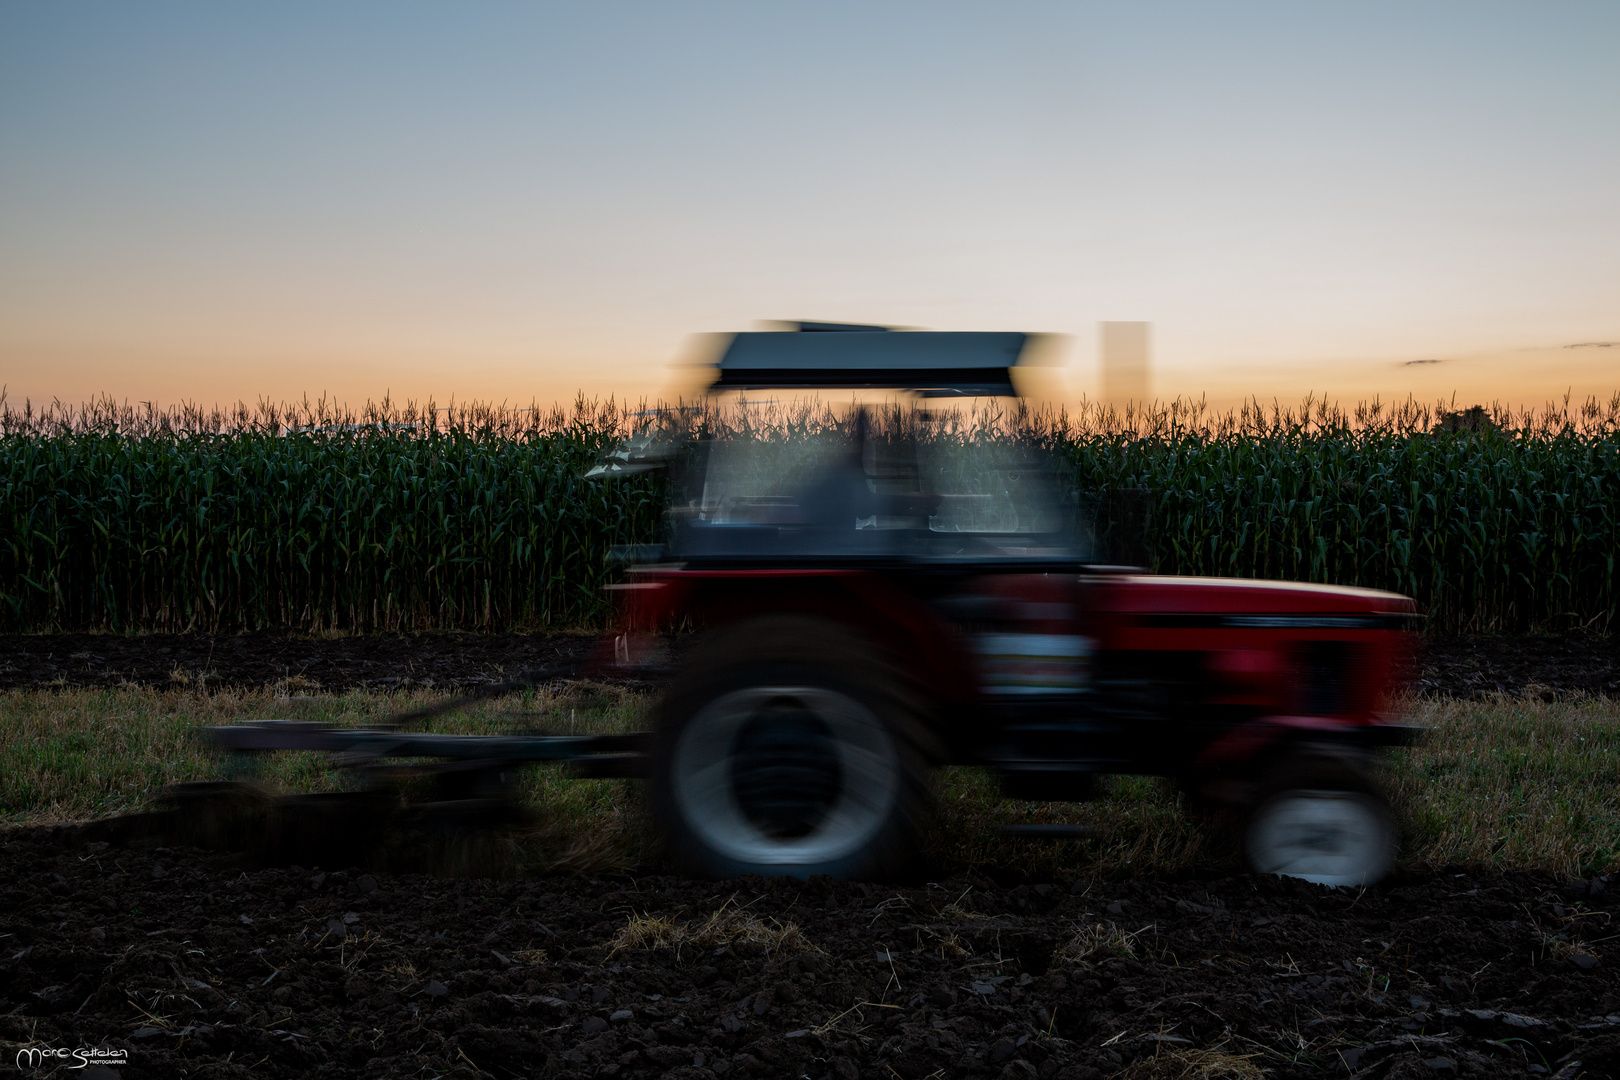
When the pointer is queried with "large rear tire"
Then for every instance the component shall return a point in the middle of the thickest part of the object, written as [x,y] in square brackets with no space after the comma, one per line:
[1323,821]
[788,748]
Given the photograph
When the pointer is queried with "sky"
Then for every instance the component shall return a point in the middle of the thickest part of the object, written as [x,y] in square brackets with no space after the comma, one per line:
[220,202]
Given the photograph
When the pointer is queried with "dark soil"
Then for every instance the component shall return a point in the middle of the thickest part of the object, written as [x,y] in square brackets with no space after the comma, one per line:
[1552,666]
[200,965]
[268,658]
[1460,667]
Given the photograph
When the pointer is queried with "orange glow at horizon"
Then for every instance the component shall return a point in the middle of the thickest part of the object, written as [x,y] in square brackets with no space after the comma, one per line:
[1519,378]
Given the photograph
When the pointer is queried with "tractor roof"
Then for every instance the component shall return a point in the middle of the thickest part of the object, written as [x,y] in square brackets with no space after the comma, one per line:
[813,355]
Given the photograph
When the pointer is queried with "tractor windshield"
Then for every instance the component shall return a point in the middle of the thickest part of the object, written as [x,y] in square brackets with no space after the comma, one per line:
[899,489]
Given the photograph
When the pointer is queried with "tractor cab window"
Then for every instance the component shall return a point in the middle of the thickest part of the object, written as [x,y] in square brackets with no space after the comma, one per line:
[892,488]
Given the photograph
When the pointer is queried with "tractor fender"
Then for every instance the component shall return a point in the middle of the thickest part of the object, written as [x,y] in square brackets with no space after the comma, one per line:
[1227,769]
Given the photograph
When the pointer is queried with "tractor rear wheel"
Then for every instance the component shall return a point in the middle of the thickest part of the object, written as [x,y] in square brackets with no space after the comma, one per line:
[788,748]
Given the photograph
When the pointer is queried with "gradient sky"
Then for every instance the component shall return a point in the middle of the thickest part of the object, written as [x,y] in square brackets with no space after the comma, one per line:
[226,201]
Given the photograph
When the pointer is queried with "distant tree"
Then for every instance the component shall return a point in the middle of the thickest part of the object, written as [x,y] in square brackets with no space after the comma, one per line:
[1474,419]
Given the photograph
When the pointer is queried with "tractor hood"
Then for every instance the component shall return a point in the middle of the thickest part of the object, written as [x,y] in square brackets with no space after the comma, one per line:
[1243,603]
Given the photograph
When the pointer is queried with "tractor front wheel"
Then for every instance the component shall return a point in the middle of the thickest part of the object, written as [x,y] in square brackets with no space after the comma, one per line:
[1323,821]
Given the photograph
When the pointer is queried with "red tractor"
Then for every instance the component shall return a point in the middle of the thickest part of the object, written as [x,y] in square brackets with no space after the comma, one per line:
[874,604]
[890,598]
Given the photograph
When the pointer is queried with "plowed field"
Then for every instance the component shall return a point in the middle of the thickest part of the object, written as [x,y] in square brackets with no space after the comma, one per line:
[201,966]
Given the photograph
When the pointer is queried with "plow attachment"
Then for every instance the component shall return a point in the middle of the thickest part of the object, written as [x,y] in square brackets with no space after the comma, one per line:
[596,756]
[444,804]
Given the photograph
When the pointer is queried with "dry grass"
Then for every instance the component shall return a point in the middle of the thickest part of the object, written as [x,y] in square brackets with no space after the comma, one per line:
[1514,782]
[1137,826]
[727,926]
[1100,939]
[1192,1064]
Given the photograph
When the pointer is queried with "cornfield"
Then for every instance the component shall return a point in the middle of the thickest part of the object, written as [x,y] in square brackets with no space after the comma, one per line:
[407,518]
[310,518]
[1496,522]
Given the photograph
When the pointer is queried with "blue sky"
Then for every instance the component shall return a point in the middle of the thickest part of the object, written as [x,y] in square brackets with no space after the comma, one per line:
[223,201]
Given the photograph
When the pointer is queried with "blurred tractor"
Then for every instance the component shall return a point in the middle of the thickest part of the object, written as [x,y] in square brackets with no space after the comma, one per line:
[891,597]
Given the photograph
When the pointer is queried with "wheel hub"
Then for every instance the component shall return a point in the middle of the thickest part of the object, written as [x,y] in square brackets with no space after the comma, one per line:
[785,773]
[780,776]
[1326,837]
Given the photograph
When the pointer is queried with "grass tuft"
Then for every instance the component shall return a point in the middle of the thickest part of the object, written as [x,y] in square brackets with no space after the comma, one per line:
[1192,1064]
[1100,939]
[727,926]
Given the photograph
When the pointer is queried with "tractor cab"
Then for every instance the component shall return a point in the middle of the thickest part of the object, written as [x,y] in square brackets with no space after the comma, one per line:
[892,482]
